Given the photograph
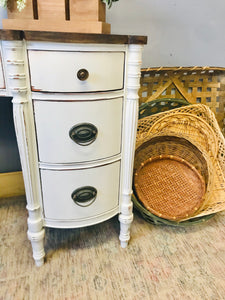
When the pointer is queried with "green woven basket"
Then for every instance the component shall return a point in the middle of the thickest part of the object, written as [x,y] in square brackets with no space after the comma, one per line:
[153,219]
[160,105]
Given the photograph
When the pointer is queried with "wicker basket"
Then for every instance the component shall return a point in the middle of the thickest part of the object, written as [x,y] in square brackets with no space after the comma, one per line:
[170,187]
[159,105]
[205,85]
[149,188]
[197,126]
[153,146]
[191,127]
[155,220]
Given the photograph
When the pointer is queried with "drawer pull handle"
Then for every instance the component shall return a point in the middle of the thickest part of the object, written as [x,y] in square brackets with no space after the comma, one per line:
[82,74]
[84,196]
[83,134]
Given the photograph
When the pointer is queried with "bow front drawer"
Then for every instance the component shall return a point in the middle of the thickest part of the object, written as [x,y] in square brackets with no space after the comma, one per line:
[79,131]
[57,71]
[80,194]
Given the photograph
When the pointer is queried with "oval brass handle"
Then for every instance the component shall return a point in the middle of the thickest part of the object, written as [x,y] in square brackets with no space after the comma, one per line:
[82,74]
[84,196]
[83,134]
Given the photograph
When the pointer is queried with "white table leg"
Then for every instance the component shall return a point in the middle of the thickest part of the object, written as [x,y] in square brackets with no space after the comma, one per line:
[15,59]
[128,147]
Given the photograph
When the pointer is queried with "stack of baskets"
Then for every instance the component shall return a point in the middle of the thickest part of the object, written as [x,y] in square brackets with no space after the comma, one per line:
[197,85]
[179,167]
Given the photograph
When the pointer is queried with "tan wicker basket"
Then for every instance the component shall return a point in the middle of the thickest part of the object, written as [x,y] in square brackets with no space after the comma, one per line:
[196,124]
[153,146]
[169,187]
[156,145]
[189,126]
[205,85]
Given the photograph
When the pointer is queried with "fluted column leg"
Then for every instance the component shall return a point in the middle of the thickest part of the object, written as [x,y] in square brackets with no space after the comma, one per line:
[129,138]
[18,81]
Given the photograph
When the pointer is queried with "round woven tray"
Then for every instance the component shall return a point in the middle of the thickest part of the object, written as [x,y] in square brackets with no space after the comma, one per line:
[169,187]
[155,220]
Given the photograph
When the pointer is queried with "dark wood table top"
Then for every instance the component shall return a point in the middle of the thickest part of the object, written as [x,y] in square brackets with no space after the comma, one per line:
[68,37]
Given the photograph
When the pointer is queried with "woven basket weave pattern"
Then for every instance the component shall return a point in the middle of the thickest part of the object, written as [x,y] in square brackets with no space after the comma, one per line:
[169,187]
[203,132]
[205,85]
[191,127]
[158,145]
[171,145]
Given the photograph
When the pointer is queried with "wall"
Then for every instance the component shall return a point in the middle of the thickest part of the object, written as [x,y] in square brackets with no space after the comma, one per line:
[3,15]
[180,32]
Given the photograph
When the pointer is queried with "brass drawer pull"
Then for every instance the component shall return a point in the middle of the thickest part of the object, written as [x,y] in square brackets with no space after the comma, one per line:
[84,196]
[83,134]
[82,74]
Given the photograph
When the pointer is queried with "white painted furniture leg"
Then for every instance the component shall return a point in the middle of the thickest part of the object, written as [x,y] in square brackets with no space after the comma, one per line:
[128,148]
[16,71]
[35,222]
[125,218]
[36,235]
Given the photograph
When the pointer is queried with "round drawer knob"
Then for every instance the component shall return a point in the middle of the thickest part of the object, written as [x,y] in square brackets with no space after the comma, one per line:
[83,134]
[82,74]
[84,196]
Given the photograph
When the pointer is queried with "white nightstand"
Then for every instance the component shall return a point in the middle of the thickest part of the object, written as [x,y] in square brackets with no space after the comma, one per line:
[75,101]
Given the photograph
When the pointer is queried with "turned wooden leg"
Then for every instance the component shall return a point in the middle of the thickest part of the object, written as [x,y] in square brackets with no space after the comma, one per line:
[36,234]
[17,74]
[128,148]
[125,218]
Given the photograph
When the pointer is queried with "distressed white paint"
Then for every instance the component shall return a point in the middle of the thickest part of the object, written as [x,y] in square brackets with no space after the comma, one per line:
[16,67]
[129,137]
[55,119]
[2,80]
[58,186]
[105,71]
[53,167]
[4,90]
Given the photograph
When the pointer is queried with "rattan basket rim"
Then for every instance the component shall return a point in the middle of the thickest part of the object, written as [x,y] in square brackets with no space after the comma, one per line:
[153,219]
[168,205]
[179,68]
[210,131]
